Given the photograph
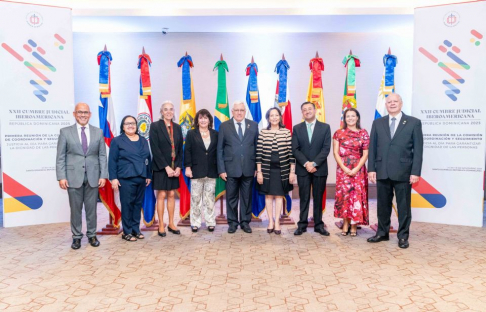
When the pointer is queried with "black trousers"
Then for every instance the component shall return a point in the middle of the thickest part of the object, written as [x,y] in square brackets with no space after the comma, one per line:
[318,185]
[403,193]
[132,195]
[238,188]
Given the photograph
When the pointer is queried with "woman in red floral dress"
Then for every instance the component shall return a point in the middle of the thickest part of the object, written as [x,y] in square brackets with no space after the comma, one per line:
[350,145]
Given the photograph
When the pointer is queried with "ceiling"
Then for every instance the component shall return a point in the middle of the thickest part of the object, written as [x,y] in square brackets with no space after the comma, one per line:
[242,16]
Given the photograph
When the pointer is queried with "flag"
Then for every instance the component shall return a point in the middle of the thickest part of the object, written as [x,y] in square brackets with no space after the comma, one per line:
[221,114]
[186,120]
[315,93]
[282,101]
[144,120]
[254,112]
[107,124]
[349,98]
[387,85]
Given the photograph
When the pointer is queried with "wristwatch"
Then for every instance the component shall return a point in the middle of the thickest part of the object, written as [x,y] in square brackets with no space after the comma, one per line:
[314,164]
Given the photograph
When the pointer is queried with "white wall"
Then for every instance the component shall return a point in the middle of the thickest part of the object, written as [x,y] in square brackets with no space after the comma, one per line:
[237,48]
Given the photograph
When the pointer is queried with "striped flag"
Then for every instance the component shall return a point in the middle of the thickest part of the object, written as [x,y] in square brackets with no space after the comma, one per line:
[387,85]
[186,120]
[108,126]
[349,98]
[221,114]
[282,101]
[315,95]
[144,120]
[254,112]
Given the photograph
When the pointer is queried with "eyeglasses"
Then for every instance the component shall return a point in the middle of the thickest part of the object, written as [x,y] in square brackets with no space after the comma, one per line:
[80,113]
[130,124]
[239,110]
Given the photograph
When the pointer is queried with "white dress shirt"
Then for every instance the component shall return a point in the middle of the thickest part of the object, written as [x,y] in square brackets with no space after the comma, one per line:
[397,122]
[242,125]
[86,131]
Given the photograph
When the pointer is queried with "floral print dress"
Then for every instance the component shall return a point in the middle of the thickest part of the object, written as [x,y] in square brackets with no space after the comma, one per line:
[352,192]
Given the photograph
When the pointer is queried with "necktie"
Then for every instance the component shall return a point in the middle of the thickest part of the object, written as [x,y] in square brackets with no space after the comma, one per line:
[84,140]
[392,127]
[240,131]
[309,131]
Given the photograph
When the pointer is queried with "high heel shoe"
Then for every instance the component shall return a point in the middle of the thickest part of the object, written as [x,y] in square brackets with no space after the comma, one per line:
[176,232]
[270,231]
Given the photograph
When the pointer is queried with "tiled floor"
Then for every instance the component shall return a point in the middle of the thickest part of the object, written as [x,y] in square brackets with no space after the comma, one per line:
[443,270]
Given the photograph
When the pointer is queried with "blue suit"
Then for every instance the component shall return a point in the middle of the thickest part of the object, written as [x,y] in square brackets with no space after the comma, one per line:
[131,164]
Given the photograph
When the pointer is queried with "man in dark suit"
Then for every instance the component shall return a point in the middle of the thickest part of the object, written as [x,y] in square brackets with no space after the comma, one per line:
[237,140]
[81,168]
[311,143]
[395,163]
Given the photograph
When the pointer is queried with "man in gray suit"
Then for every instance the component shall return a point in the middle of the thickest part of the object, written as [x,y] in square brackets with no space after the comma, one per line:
[81,168]
[394,164]
[237,140]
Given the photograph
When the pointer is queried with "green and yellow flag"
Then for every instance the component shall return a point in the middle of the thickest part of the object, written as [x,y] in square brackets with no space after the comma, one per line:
[221,113]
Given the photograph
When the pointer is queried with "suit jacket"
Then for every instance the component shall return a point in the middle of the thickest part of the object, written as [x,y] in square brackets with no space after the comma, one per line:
[315,151]
[396,158]
[161,146]
[129,159]
[71,163]
[237,158]
[203,162]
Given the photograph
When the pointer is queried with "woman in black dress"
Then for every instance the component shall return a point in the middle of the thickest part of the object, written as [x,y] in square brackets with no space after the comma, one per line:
[166,144]
[275,166]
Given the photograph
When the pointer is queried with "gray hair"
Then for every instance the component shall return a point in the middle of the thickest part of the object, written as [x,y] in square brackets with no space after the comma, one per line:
[398,95]
[162,107]
[238,102]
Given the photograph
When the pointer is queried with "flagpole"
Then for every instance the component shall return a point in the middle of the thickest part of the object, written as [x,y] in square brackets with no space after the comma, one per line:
[110,228]
[221,218]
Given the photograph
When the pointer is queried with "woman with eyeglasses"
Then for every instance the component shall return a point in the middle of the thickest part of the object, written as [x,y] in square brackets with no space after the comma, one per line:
[166,143]
[130,170]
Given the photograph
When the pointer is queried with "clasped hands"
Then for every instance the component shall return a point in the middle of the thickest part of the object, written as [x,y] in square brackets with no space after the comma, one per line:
[173,173]
[309,166]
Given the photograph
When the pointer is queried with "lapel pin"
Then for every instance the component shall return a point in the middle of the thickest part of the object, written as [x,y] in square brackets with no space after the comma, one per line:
[404,122]
[248,126]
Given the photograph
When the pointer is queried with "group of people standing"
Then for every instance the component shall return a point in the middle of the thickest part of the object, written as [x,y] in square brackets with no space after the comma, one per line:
[238,153]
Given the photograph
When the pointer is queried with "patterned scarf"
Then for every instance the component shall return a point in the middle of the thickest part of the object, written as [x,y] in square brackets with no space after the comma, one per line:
[171,135]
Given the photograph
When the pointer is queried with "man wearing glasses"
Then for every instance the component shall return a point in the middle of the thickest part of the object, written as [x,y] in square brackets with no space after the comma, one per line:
[81,168]
[237,142]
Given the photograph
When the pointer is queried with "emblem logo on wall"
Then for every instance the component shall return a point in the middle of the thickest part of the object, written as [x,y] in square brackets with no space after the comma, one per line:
[427,196]
[34,19]
[451,19]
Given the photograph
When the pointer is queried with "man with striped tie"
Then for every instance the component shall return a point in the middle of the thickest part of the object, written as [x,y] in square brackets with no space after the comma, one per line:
[395,163]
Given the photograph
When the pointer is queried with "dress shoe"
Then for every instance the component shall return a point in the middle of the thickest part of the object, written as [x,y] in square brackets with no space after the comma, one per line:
[300,231]
[76,243]
[246,228]
[232,229]
[322,231]
[93,241]
[403,243]
[161,234]
[378,238]
[176,232]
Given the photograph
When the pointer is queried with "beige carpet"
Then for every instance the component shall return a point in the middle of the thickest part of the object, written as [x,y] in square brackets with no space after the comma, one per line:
[443,270]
